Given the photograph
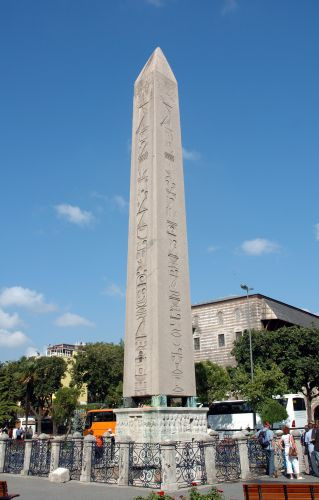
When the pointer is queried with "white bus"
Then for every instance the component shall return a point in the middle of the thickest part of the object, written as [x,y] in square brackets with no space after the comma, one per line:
[236,415]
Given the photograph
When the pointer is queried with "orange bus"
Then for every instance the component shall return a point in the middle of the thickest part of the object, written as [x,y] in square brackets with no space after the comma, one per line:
[100,421]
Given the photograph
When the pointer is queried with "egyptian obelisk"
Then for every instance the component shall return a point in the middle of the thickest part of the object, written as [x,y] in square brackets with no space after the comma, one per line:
[158,340]
[159,365]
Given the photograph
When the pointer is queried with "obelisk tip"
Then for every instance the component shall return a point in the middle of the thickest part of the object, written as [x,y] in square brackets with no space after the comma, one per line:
[157,62]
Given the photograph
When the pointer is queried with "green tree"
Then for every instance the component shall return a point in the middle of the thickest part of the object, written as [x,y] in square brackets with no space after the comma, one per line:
[42,378]
[100,367]
[266,383]
[293,349]
[9,391]
[65,403]
[272,411]
[212,382]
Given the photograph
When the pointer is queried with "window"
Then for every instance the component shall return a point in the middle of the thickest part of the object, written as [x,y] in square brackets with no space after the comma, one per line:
[237,314]
[221,340]
[220,317]
[196,344]
[101,416]
[229,407]
[299,404]
[238,335]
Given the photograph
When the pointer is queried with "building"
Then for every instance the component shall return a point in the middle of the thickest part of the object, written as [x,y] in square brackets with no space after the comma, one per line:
[218,323]
[68,352]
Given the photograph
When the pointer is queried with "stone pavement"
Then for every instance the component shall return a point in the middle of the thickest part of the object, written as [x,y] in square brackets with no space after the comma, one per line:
[37,488]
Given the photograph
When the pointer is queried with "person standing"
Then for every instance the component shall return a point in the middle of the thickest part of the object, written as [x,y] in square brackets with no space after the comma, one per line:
[266,439]
[310,443]
[305,450]
[291,456]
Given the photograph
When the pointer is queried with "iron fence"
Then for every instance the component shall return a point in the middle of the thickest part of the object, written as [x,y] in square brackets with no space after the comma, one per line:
[70,457]
[105,462]
[145,466]
[227,460]
[190,463]
[256,456]
[40,457]
[14,456]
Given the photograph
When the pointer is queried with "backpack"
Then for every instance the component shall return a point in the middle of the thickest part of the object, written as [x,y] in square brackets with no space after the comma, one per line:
[262,439]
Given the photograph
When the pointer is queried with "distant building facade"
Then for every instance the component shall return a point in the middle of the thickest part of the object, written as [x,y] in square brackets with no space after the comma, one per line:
[68,352]
[217,324]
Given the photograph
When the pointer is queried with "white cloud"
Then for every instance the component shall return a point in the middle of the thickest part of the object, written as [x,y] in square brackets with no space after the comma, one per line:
[9,321]
[317,231]
[212,249]
[229,6]
[31,351]
[24,297]
[156,3]
[120,202]
[74,214]
[12,339]
[259,246]
[114,290]
[191,155]
[71,320]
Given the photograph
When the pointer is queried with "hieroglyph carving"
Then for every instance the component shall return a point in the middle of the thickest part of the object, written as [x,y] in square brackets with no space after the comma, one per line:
[168,99]
[143,96]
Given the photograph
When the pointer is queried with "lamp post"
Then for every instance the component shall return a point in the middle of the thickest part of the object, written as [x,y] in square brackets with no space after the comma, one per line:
[247,289]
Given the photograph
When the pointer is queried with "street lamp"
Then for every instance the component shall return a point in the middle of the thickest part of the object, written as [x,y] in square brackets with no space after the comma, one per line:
[247,290]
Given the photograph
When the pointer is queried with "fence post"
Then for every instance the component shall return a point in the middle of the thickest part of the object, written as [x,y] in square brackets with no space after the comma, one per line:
[27,457]
[243,455]
[3,445]
[209,445]
[124,461]
[55,453]
[78,449]
[168,460]
[88,443]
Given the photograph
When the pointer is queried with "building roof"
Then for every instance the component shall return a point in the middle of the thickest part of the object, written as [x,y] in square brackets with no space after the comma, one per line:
[257,295]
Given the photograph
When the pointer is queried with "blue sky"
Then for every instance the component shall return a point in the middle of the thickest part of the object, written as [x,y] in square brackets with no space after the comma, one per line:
[248,82]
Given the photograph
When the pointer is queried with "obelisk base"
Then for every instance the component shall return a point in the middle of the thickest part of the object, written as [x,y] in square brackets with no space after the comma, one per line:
[158,424]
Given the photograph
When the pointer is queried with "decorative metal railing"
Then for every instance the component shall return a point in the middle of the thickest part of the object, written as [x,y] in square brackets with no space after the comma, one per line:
[70,457]
[14,456]
[190,463]
[227,460]
[256,456]
[145,467]
[40,457]
[105,462]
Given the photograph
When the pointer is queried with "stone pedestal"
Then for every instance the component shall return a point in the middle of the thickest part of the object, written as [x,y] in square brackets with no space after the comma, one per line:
[158,424]
[88,444]
[27,457]
[168,456]
[3,445]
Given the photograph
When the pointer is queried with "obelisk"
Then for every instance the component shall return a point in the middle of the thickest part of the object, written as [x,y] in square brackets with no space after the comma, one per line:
[158,366]
[158,340]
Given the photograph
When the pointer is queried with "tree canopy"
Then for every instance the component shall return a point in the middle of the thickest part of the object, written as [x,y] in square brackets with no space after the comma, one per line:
[100,367]
[212,382]
[64,405]
[293,349]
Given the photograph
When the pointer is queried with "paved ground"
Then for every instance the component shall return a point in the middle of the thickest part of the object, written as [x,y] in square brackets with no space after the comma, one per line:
[36,488]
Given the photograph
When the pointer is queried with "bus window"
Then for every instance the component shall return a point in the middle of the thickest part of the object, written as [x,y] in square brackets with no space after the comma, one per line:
[299,404]
[102,416]
[229,408]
